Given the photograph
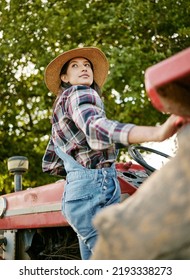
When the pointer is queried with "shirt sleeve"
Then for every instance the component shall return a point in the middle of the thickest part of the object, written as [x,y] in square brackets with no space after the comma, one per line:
[86,109]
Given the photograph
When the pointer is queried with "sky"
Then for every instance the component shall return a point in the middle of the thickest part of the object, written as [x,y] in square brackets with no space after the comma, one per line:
[168,147]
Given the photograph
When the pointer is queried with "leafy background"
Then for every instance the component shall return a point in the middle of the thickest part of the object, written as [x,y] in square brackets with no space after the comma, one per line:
[133,34]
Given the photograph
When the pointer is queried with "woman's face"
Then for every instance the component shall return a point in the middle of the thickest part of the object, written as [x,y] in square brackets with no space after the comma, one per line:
[79,72]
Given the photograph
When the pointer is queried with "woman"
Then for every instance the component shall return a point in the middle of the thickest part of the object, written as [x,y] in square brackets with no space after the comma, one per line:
[83,141]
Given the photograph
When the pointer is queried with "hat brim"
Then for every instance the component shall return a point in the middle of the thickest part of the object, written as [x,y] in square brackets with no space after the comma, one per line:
[94,55]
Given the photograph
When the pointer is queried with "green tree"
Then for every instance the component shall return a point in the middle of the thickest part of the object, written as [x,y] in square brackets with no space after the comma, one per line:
[133,34]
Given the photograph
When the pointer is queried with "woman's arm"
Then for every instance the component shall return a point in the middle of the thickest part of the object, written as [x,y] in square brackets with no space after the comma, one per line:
[140,134]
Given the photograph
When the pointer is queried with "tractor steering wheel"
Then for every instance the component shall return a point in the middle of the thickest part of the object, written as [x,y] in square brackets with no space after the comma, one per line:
[136,155]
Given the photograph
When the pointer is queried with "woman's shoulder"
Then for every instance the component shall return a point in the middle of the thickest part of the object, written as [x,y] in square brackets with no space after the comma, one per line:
[80,94]
[80,90]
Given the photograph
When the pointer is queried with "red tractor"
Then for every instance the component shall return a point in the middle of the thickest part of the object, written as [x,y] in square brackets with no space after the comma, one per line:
[31,221]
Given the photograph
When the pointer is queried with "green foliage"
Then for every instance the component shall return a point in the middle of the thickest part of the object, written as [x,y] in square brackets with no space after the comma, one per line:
[133,34]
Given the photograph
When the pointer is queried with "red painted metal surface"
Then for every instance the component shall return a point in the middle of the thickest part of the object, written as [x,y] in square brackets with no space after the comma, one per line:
[125,185]
[173,73]
[32,208]
[29,221]
[41,206]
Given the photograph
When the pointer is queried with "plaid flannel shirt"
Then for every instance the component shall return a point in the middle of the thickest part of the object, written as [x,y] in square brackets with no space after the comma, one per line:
[81,129]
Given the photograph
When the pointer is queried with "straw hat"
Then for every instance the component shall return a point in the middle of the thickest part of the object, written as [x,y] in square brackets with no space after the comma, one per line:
[94,55]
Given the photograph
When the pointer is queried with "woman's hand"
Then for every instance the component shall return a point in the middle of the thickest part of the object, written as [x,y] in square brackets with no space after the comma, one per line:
[171,126]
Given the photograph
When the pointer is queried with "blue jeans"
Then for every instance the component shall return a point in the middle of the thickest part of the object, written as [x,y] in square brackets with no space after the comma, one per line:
[86,192]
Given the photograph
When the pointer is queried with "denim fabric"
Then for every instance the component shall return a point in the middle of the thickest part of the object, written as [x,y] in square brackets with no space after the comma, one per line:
[86,192]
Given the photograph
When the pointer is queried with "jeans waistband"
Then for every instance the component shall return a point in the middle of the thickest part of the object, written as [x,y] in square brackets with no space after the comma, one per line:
[103,165]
